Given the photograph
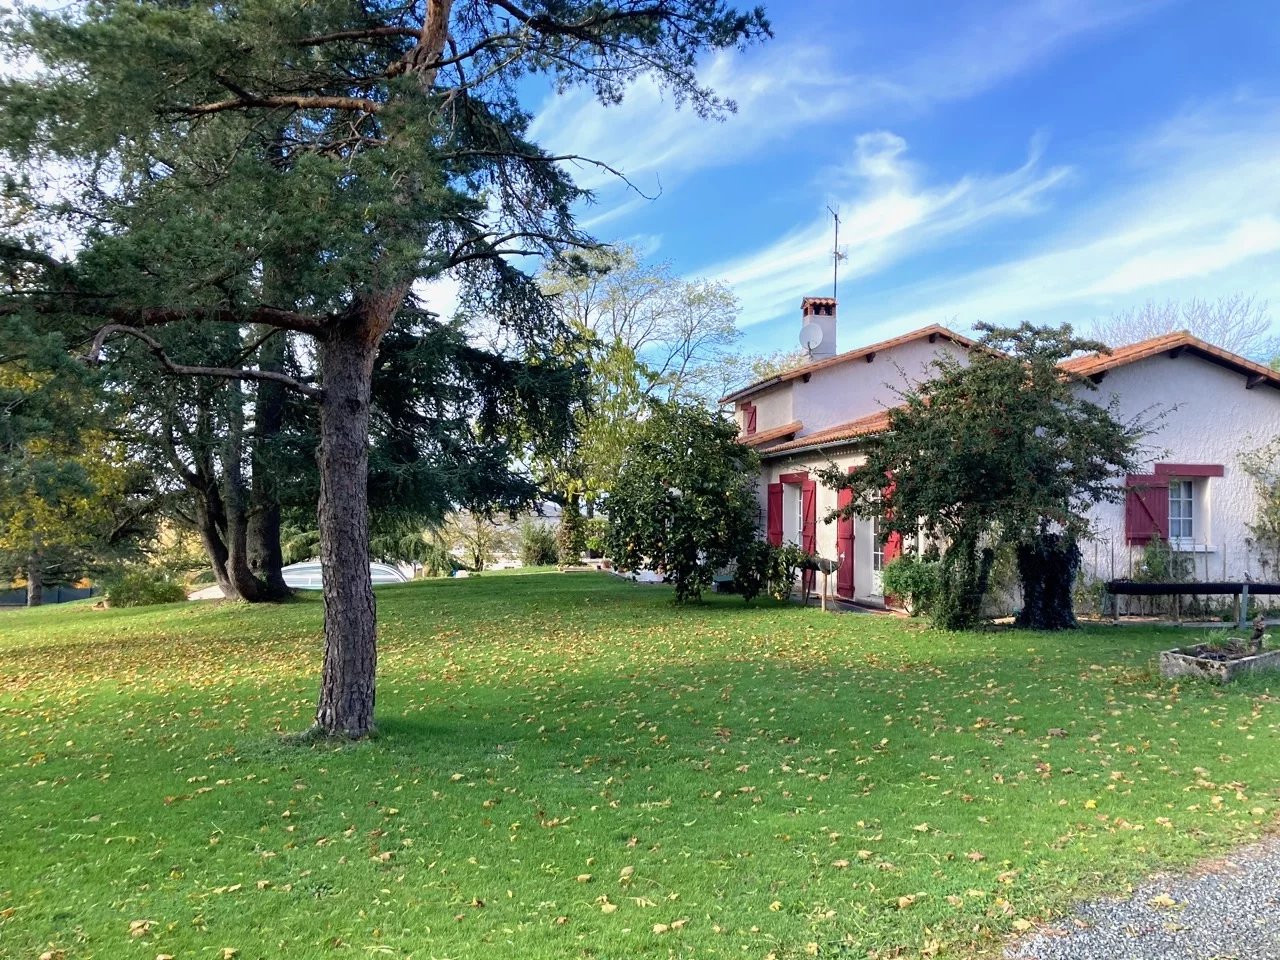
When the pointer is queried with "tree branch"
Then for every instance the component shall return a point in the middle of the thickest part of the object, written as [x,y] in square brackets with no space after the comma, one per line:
[555,158]
[248,100]
[182,369]
[368,33]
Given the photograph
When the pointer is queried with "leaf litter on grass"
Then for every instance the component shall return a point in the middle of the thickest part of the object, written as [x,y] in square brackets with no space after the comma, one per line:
[772,779]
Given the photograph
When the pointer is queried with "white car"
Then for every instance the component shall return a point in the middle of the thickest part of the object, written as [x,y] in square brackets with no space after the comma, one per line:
[306,575]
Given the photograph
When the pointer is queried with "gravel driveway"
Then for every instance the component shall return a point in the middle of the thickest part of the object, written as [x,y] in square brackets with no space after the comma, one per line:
[1227,910]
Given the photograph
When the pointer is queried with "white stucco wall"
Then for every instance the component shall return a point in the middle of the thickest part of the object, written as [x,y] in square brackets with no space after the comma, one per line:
[848,391]
[773,408]
[1210,418]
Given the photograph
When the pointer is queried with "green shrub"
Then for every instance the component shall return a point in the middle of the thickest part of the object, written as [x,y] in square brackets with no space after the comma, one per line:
[142,587]
[1090,594]
[913,581]
[538,545]
[684,499]
[596,534]
[783,566]
[1160,563]
[751,576]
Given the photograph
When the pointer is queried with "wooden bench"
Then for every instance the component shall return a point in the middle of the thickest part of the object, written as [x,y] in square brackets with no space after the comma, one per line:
[1240,589]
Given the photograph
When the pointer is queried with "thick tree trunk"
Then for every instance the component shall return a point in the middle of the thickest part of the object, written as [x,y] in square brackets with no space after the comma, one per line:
[236,497]
[35,574]
[266,559]
[350,639]
[1047,567]
[214,547]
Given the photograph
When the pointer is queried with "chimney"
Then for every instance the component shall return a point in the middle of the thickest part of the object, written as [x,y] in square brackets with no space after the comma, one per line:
[818,327]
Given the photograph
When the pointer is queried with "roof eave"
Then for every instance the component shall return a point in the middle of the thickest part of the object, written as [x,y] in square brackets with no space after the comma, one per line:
[821,445]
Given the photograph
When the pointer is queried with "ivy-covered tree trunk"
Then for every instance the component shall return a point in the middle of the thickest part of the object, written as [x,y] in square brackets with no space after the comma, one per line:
[571,534]
[1047,567]
[966,571]
[350,637]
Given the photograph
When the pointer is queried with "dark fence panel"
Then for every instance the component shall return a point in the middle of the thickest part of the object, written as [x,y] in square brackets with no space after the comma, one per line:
[18,597]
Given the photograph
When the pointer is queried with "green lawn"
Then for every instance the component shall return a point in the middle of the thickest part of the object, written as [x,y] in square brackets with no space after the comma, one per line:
[570,767]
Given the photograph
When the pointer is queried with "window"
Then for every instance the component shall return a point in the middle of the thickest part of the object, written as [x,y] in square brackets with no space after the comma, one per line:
[1181,510]
[799,516]
[877,546]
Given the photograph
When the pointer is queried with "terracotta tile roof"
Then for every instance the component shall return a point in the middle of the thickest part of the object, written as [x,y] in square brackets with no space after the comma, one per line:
[864,426]
[933,330]
[1094,364]
[773,433]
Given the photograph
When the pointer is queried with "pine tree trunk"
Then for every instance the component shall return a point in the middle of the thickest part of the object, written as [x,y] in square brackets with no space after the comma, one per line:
[266,559]
[35,574]
[236,498]
[350,638]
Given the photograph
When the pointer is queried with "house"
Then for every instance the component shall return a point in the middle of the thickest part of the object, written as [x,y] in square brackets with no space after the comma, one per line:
[1191,491]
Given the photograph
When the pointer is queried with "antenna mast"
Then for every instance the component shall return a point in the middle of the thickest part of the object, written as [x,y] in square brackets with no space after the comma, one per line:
[836,255]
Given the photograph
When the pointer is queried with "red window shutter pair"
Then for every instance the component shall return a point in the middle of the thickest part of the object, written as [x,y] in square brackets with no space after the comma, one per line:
[1146,508]
[750,410]
[773,516]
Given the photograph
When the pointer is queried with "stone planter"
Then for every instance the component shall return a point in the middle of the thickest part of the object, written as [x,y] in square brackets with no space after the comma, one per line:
[1186,663]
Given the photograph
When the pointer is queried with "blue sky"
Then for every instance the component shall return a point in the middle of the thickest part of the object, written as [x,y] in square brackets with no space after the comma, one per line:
[1042,160]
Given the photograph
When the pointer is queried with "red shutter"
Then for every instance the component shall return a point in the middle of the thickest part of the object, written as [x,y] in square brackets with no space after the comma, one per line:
[844,544]
[892,545]
[808,516]
[751,418]
[809,525]
[1146,508]
[773,522]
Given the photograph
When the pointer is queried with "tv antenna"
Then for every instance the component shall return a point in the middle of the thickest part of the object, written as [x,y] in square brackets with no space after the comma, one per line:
[836,255]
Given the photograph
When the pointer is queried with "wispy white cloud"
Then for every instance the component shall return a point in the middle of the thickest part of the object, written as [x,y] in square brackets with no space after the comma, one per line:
[777,92]
[1198,212]
[888,211]
[793,84]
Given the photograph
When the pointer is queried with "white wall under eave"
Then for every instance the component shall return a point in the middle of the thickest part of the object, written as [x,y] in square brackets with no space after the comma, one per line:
[856,389]
[1209,418]
[773,408]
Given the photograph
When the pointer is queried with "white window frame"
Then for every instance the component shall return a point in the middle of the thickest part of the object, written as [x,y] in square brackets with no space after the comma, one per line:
[1183,492]
[877,547]
[793,508]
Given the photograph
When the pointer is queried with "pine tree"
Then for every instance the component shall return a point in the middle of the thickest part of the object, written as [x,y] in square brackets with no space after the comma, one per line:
[303,167]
